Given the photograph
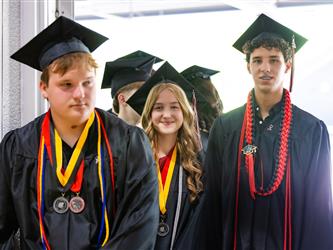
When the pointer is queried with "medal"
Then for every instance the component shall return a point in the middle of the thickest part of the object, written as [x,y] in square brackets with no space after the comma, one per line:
[76,204]
[50,145]
[60,205]
[163,229]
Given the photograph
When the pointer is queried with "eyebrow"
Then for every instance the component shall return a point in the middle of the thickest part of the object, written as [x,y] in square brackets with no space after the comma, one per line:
[160,103]
[259,57]
[85,79]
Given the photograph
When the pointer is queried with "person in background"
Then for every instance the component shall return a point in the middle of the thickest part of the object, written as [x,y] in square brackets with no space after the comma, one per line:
[211,106]
[76,177]
[268,162]
[169,121]
[124,76]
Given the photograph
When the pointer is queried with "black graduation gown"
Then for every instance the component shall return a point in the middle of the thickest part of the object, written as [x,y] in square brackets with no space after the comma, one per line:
[204,140]
[261,221]
[187,219]
[135,200]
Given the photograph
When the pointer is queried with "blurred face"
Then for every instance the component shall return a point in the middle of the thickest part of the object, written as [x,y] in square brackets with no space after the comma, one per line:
[268,70]
[71,96]
[167,116]
[126,112]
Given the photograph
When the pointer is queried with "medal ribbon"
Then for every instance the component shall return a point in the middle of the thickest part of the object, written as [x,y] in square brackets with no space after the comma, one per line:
[63,178]
[45,148]
[76,186]
[164,189]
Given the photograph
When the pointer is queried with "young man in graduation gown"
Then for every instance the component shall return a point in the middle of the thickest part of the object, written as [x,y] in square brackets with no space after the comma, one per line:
[125,76]
[268,162]
[76,177]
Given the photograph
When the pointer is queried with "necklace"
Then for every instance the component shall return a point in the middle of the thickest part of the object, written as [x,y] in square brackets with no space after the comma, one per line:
[76,203]
[250,149]
[282,164]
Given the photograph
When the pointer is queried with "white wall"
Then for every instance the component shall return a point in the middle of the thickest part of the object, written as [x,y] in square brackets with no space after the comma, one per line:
[20,99]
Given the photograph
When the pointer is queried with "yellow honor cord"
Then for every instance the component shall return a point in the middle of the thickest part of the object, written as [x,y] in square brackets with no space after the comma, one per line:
[40,178]
[164,191]
[63,178]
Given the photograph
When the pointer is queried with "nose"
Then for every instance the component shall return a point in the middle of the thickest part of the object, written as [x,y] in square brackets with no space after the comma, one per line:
[166,112]
[265,67]
[78,92]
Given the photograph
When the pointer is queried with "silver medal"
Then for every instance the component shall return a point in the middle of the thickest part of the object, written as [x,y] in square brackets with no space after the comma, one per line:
[76,204]
[163,229]
[60,205]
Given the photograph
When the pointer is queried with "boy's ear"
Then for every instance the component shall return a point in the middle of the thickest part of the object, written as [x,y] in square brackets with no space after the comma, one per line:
[121,98]
[43,88]
[288,66]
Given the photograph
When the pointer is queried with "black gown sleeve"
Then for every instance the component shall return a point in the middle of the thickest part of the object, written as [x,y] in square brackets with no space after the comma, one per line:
[317,225]
[209,231]
[8,221]
[136,219]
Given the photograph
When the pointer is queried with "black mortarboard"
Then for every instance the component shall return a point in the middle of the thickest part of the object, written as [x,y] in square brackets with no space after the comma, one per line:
[166,73]
[265,24]
[134,67]
[200,77]
[61,37]
[195,72]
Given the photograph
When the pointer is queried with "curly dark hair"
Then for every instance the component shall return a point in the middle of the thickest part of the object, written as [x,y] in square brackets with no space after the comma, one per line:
[269,41]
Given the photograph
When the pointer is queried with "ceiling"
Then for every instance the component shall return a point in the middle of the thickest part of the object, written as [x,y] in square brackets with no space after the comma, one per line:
[139,8]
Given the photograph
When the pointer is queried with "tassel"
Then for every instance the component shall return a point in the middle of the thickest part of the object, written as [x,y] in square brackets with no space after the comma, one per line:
[252,182]
[293,48]
[196,120]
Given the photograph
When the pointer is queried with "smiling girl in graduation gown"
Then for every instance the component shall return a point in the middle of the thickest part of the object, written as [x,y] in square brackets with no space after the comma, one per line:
[76,177]
[169,122]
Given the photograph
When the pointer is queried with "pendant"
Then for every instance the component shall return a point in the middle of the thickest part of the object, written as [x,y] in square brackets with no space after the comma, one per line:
[60,205]
[163,229]
[249,149]
[76,204]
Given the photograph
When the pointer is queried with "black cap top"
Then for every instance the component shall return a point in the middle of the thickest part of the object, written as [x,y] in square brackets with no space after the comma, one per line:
[62,37]
[199,77]
[195,72]
[131,68]
[166,73]
[264,24]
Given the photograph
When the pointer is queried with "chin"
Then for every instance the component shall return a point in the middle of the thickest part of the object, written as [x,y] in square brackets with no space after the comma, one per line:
[81,116]
[168,131]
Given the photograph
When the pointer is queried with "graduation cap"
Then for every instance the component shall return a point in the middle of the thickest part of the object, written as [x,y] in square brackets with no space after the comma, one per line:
[200,79]
[166,73]
[62,37]
[196,72]
[133,67]
[265,26]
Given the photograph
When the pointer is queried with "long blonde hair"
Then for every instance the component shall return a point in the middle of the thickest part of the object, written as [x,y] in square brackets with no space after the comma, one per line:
[187,140]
